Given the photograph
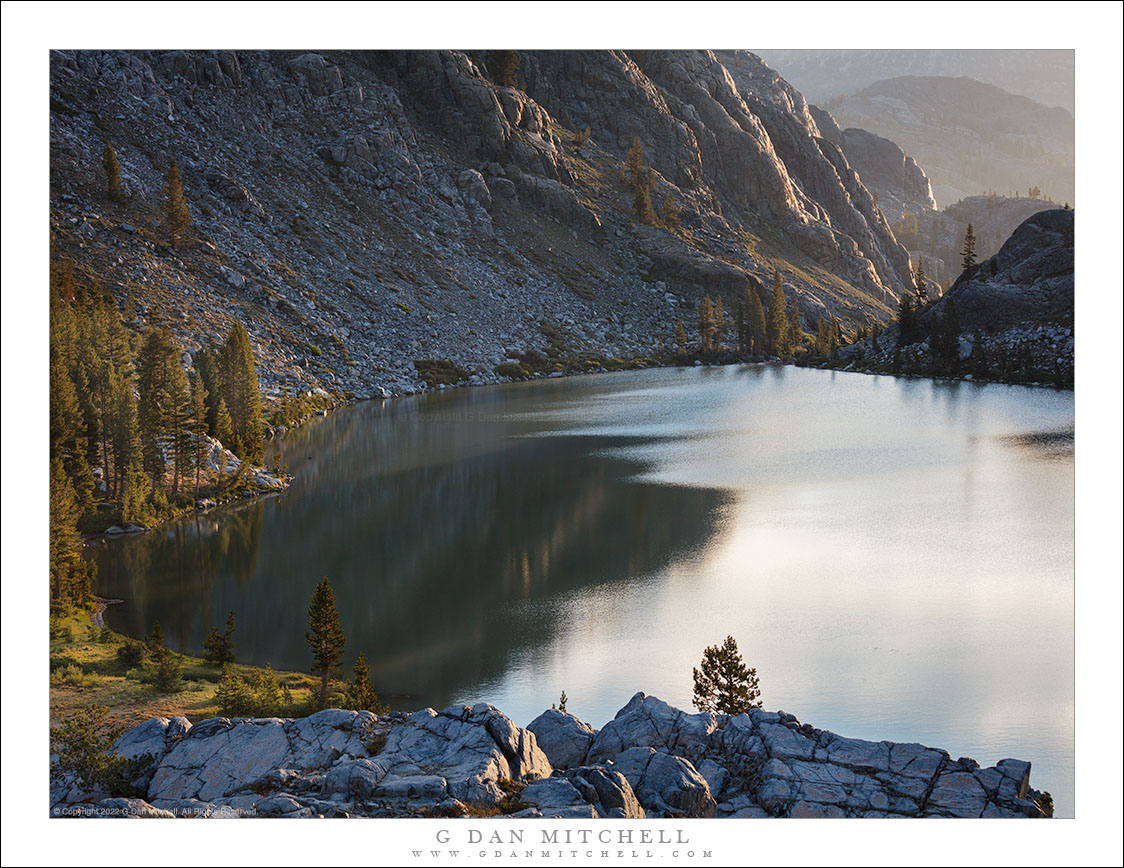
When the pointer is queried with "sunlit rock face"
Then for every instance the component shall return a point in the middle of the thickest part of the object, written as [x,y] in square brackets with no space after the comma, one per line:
[361,211]
[651,760]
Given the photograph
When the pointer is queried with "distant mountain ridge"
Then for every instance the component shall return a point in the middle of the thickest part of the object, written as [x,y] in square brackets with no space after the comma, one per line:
[970,138]
[1045,75]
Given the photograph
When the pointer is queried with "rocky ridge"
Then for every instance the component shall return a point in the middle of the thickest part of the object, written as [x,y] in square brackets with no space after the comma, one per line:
[362,211]
[1015,310]
[651,760]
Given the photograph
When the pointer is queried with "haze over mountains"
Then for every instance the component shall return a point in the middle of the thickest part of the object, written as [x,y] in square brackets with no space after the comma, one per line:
[1044,75]
[969,137]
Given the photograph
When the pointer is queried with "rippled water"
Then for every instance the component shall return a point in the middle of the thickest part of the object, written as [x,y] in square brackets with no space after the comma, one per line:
[894,556]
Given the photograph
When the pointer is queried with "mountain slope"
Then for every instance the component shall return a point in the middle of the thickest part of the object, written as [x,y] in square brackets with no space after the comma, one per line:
[360,211]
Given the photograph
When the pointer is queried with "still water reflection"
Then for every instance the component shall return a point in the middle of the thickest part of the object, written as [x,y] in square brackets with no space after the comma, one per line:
[894,556]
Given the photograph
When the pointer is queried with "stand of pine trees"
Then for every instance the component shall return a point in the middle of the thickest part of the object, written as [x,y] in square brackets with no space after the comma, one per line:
[126,423]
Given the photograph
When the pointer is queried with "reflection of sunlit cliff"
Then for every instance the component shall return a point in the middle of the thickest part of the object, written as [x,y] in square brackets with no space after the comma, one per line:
[430,523]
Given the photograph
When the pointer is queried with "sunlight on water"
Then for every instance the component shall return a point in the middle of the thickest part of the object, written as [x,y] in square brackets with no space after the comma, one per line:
[895,557]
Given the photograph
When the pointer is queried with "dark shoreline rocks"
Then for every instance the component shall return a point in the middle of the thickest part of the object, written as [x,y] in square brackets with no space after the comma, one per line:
[652,760]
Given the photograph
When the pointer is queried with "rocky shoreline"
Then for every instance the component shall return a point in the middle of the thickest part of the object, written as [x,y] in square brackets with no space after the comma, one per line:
[652,760]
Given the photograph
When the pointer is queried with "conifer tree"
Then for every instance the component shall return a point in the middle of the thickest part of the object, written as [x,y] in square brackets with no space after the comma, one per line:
[755,327]
[241,393]
[969,249]
[719,322]
[723,683]
[134,497]
[641,179]
[218,648]
[820,346]
[740,325]
[680,336]
[635,164]
[670,213]
[503,65]
[360,694]
[777,328]
[155,641]
[907,321]
[124,439]
[706,323]
[795,329]
[325,636]
[112,172]
[69,576]
[174,207]
[198,427]
[920,284]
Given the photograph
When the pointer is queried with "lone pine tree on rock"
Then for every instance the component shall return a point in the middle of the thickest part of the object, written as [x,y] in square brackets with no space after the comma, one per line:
[112,172]
[969,251]
[723,683]
[325,635]
[174,207]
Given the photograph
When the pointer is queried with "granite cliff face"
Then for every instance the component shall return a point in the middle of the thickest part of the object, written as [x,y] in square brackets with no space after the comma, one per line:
[359,211]
[1029,282]
[651,760]
[897,182]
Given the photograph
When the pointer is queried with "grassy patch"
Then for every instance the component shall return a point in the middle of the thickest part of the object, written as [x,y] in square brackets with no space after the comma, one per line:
[78,646]
[440,372]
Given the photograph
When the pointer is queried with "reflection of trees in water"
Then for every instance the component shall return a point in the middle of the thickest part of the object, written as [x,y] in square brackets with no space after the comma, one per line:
[427,556]
[431,523]
[168,574]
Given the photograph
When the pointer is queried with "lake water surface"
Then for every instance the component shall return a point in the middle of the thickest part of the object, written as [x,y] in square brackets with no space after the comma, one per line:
[894,556]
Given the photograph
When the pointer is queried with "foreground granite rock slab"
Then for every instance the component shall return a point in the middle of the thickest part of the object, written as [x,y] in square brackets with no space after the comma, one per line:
[651,760]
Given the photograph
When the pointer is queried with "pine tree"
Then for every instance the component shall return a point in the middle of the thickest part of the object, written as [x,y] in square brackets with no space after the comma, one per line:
[742,330]
[218,648]
[719,323]
[636,166]
[724,684]
[240,391]
[920,284]
[112,172]
[907,321]
[670,214]
[180,424]
[680,336]
[756,322]
[360,694]
[325,636]
[503,65]
[795,329]
[822,341]
[198,427]
[174,207]
[155,641]
[69,577]
[641,179]
[776,334]
[969,249]
[706,323]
